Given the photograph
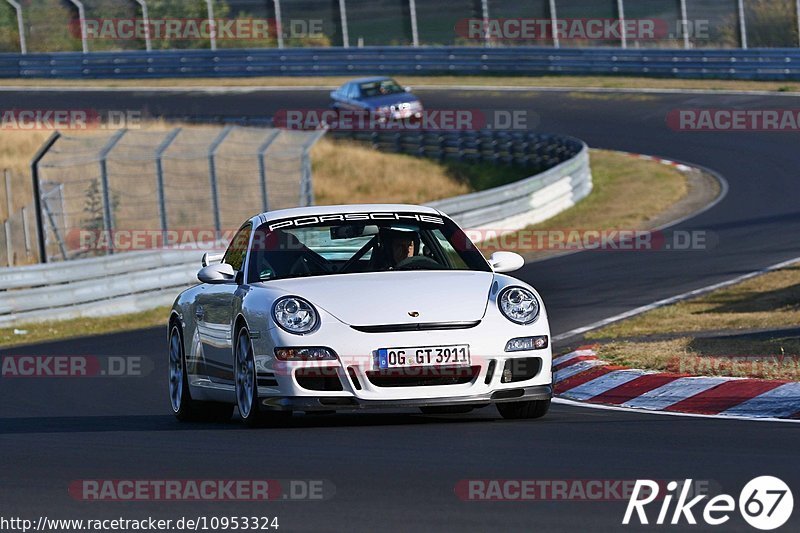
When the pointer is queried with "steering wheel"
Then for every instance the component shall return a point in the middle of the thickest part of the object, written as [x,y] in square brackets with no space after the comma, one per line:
[418,262]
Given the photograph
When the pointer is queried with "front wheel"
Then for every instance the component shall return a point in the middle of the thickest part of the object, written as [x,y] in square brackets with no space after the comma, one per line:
[246,386]
[519,410]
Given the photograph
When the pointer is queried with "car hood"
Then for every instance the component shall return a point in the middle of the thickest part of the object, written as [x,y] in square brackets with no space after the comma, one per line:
[389,99]
[380,298]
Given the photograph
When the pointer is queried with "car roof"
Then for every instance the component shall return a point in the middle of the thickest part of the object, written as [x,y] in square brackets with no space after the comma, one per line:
[339,209]
[370,79]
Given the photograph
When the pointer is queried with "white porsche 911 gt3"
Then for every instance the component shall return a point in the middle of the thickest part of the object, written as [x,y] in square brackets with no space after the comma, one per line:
[357,306]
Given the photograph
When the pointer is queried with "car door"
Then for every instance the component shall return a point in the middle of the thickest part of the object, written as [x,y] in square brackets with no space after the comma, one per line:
[214,311]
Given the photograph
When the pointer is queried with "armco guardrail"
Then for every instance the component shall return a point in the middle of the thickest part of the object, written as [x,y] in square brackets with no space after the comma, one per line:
[117,284]
[136,281]
[760,64]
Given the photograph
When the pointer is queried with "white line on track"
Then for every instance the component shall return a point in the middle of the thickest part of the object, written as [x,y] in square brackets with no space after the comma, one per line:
[563,401]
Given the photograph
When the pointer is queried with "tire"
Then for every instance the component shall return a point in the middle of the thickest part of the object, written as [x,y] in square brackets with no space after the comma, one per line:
[446,409]
[520,410]
[184,407]
[245,380]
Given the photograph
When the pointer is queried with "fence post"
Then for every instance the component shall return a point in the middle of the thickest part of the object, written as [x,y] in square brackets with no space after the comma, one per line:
[343,18]
[278,22]
[412,8]
[485,17]
[162,205]
[553,21]
[797,17]
[7,224]
[742,25]
[212,24]
[108,215]
[306,186]
[82,21]
[621,16]
[262,168]
[212,176]
[146,21]
[9,246]
[685,24]
[23,47]
[26,232]
[37,198]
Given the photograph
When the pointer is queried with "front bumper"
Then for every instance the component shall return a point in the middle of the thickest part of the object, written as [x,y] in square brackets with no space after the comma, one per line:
[350,403]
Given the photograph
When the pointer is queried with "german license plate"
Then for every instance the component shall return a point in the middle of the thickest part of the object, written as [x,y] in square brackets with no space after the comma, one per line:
[457,354]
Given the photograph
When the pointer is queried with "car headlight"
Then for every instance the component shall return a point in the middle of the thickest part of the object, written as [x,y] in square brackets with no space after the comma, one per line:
[518,305]
[295,315]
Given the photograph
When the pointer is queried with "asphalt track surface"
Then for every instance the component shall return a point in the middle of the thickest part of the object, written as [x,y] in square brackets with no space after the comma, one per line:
[398,470]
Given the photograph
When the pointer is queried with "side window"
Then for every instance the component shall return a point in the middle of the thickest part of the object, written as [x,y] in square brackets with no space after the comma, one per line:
[354,92]
[237,250]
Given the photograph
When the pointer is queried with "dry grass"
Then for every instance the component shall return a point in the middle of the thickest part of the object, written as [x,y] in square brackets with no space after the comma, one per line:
[610,82]
[768,359]
[628,193]
[717,334]
[347,172]
[768,301]
[16,150]
[82,327]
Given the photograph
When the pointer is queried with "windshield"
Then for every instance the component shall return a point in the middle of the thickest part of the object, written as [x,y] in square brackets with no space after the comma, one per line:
[360,242]
[380,88]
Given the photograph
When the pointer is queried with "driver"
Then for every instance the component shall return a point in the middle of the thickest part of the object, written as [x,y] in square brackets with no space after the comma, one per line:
[397,246]
[402,248]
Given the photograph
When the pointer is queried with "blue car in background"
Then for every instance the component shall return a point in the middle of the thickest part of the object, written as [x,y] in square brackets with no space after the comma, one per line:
[380,96]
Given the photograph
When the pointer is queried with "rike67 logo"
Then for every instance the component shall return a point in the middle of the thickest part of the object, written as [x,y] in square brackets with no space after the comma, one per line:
[765,503]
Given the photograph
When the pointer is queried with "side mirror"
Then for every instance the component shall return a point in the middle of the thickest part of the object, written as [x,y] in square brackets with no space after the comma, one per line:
[210,258]
[217,273]
[407,89]
[506,261]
